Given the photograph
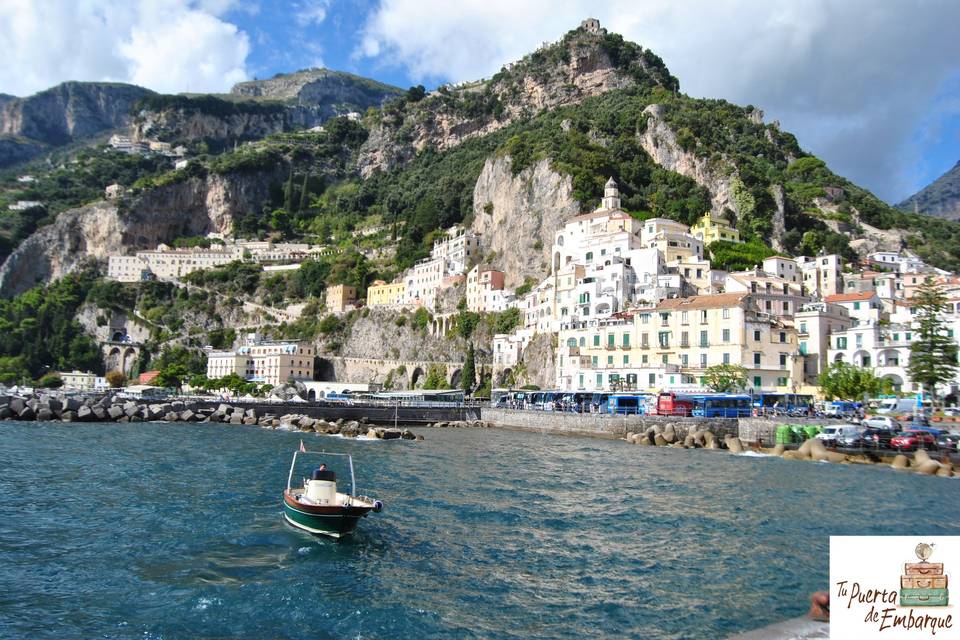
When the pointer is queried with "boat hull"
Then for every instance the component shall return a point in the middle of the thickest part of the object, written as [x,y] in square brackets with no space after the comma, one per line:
[334,522]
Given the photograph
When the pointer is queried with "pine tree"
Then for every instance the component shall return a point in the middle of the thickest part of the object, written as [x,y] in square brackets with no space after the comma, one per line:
[304,195]
[288,195]
[933,355]
[468,377]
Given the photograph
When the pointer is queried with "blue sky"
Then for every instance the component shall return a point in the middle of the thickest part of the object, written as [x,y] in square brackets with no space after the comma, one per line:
[871,87]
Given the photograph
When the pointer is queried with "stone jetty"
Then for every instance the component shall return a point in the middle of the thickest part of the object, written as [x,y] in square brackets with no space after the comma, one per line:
[55,407]
[810,450]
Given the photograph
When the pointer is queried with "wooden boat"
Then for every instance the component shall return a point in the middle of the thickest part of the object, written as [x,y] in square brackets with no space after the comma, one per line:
[318,508]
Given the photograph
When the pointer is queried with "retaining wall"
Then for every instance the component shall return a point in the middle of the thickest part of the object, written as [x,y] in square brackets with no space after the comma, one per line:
[598,425]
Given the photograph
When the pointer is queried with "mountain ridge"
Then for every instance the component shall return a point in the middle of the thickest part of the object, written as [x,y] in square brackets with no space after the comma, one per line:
[940,198]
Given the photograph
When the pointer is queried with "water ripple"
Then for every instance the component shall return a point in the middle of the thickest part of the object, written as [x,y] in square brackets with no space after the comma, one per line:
[174,531]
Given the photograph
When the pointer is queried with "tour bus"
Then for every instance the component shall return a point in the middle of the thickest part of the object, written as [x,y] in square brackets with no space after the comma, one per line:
[786,402]
[721,405]
[673,404]
[629,403]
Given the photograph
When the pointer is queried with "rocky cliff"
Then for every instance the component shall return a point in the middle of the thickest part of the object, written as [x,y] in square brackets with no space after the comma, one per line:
[336,91]
[94,232]
[377,336]
[941,198]
[659,140]
[68,112]
[582,64]
[518,216]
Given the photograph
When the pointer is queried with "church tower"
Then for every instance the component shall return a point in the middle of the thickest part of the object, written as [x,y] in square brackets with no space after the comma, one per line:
[611,196]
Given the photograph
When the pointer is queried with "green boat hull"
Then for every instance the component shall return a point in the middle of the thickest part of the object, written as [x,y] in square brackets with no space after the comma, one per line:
[333,525]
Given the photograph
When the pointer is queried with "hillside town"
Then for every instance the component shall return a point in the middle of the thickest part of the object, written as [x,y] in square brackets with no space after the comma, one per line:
[632,305]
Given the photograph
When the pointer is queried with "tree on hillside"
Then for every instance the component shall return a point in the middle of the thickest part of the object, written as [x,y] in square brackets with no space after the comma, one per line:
[468,377]
[724,378]
[436,378]
[846,381]
[50,381]
[173,375]
[933,355]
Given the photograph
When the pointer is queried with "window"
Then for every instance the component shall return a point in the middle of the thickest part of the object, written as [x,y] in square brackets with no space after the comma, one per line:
[683,317]
[583,342]
[726,314]
[596,340]
[726,358]
[756,335]
[644,340]
[859,338]
[609,359]
[664,319]
[703,339]
[803,348]
[842,343]
[856,306]
[757,381]
[643,359]
[803,327]
[786,306]
[572,342]
[703,360]
[909,336]
[589,256]
[703,316]
[781,382]
[664,338]
[783,336]
[626,360]
[665,358]
[644,318]
[768,305]
[756,358]
[611,339]
[626,339]
[726,335]
[684,360]
[783,359]
[652,379]
[599,381]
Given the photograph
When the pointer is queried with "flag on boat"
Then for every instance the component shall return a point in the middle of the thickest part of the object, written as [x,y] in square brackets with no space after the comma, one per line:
[303,449]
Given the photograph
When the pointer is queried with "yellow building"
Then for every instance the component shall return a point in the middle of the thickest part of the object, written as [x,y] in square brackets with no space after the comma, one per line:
[710,229]
[382,293]
[339,297]
[671,345]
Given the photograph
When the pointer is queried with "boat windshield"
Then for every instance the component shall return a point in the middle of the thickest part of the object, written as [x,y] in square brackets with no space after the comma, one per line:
[305,462]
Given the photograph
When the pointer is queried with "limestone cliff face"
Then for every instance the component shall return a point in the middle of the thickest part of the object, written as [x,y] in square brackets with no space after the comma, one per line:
[517,216]
[96,231]
[336,91]
[68,112]
[378,336]
[660,142]
[539,361]
[581,65]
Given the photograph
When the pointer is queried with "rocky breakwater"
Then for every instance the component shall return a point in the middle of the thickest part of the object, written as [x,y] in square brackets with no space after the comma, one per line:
[682,437]
[60,408]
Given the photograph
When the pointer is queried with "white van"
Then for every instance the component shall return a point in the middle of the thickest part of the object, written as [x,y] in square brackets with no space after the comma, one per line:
[842,435]
[897,406]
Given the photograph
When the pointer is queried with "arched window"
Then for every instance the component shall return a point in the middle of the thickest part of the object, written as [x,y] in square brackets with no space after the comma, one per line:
[583,342]
[572,342]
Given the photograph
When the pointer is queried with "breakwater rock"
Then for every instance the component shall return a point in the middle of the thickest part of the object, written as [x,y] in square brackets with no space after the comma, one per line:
[56,407]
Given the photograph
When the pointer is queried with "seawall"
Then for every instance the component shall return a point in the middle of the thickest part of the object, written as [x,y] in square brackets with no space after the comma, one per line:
[599,425]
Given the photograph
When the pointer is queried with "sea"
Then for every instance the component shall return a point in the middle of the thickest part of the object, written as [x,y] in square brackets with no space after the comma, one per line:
[162,531]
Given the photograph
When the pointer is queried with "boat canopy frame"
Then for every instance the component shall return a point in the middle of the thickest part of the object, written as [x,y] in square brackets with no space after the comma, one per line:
[293,464]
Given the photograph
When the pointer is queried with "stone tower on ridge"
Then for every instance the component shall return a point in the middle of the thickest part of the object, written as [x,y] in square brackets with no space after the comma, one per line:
[591,25]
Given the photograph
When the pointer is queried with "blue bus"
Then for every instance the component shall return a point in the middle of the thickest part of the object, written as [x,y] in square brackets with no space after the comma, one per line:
[629,403]
[786,402]
[722,405]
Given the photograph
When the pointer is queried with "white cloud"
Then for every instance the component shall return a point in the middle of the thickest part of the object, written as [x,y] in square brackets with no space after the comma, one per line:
[165,45]
[853,79]
[310,12]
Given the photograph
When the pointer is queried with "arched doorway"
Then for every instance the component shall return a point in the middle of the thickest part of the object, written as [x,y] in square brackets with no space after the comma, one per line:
[455,379]
[416,377]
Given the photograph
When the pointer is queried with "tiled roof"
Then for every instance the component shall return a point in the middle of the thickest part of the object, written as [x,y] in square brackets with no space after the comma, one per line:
[851,297]
[715,301]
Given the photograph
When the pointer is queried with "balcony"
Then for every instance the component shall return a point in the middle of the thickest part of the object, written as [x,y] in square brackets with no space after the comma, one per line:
[625,347]
[610,347]
[573,351]
[684,344]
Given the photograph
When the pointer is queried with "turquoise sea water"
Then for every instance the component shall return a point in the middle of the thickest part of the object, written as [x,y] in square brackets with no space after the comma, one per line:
[175,531]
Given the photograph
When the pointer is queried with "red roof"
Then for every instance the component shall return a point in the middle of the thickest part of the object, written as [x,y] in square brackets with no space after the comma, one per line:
[851,297]
[148,376]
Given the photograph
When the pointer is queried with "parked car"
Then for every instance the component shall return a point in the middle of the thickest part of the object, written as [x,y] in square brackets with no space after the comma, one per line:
[875,438]
[881,422]
[911,440]
[952,411]
[949,441]
[842,435]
